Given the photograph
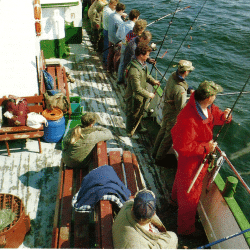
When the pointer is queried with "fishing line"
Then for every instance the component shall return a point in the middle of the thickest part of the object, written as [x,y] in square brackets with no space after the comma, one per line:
[166,34]
[232,108]
[184,38]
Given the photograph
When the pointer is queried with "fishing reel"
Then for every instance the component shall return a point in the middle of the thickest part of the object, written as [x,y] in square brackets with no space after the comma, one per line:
[212,157]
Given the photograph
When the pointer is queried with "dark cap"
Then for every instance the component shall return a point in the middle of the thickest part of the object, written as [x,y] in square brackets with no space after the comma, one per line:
[209,88]
[144,204]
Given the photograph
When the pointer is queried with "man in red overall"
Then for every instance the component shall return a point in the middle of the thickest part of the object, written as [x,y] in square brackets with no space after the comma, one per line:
[193,139]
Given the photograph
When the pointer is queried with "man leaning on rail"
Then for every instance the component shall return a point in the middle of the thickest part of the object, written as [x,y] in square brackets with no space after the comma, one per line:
[174,98]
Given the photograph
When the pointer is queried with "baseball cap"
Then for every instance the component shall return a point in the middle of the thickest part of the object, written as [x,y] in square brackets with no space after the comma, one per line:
[144,204]
[185,65]
[209,88]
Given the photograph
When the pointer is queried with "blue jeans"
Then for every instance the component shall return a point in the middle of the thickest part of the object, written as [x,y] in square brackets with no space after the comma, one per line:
[105,46]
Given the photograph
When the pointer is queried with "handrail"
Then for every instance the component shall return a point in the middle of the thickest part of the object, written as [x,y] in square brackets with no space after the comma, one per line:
[234,170]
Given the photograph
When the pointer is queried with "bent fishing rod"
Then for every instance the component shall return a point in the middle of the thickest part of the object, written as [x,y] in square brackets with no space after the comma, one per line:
[216,138]
[165,36]
[168,15]
[191,26]
[151,24]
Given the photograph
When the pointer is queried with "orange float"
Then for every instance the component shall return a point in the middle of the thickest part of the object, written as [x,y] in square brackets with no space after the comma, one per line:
[37,16]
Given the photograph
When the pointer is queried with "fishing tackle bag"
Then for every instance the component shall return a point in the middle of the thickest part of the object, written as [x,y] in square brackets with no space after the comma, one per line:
[16,112]
[48,80]
[58,100]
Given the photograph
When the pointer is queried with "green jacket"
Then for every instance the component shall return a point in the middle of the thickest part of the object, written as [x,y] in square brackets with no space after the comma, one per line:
[174,96]
[127,233]
[137,79]
[74,155]
[95,13]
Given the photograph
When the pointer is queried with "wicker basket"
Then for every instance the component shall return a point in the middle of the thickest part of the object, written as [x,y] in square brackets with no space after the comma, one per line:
[13,235]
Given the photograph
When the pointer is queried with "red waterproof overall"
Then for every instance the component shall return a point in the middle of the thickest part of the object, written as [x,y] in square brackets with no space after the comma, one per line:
[191,135]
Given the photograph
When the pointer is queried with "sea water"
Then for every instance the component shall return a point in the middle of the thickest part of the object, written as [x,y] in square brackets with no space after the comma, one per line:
[216,38]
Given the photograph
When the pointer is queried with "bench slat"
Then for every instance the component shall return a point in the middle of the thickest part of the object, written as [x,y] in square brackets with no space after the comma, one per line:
[100,154]
[106,219]
[59,74]
[81,230]
[55,232]
[137,172]
[65,227]
[52,72]
[19,129]
[65,80]
[18,136]
[130,174]
[116,162]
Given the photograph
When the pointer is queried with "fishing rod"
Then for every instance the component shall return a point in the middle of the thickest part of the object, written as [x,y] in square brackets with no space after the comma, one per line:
[216,138]
[223,239]
[159,72]
[146,107]
[166,34]
[151,24]
[185,37]
[225,94]
[233,93]
[168,15]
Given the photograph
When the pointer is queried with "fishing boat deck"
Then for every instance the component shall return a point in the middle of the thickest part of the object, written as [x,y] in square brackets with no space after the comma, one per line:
[33,177]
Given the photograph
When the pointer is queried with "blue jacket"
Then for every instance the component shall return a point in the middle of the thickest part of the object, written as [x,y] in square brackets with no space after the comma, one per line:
[99,182]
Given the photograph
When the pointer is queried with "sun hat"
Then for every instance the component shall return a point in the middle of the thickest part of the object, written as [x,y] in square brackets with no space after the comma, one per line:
[144,204]
[185,65]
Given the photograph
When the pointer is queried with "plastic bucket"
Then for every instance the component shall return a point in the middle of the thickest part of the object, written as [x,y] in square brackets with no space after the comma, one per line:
[56,125]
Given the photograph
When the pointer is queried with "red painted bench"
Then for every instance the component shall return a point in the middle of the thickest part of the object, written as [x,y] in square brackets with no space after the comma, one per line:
[57,71]
[35,104]
[78,230]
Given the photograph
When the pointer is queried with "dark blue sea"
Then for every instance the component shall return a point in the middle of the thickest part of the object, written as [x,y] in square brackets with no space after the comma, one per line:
[218,44]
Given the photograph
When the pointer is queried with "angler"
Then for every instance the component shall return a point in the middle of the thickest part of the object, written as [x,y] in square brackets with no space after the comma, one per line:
[193,139]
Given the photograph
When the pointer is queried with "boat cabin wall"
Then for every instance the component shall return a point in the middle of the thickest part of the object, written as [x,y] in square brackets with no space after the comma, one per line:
[61,25]
[19,47]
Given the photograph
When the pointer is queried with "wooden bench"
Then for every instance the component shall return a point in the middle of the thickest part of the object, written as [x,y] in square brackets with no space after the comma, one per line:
[35,104]
[94,230]
[58,72]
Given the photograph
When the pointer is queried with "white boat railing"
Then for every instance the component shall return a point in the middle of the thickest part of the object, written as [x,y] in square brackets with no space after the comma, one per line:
[234,170]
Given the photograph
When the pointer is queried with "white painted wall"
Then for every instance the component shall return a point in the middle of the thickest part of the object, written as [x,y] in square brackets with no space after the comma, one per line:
[18,48]
[74,14]
[53,26]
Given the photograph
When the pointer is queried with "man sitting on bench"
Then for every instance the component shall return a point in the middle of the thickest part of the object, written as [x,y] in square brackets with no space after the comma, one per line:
[137,226]
[80,141]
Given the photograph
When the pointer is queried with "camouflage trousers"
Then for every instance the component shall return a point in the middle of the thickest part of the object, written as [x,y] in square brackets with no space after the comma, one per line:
[163,140]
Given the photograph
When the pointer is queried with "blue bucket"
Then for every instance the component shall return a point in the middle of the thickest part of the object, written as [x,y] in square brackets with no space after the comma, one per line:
[55,130]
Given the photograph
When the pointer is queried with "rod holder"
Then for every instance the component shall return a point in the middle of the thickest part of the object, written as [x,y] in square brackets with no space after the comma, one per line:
[230,187]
